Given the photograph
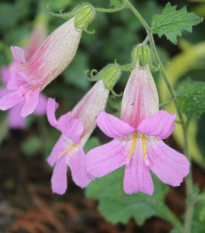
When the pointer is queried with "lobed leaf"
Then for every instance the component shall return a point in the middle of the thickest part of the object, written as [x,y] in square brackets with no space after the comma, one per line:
[116,206]
[171,22]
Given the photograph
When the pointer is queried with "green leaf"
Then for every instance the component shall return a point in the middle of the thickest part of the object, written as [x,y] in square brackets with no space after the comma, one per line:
[171,22]
[116,206]
[191,100]
[116,3]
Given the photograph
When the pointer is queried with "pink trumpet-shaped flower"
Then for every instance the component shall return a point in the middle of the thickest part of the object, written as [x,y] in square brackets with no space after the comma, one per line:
[32,74]
[137,139]
[16,121]
[76,127]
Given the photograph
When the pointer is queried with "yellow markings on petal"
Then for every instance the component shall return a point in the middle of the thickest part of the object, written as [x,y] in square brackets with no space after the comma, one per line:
[31,89]
[67,149]
[132,147]
[144,149]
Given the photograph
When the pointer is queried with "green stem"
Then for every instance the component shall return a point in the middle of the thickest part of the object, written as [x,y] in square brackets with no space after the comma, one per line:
[132,8]
[189,188]
[189,181]
[103,10]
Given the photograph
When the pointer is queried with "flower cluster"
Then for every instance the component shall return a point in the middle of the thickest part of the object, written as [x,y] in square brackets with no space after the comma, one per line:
[136,136]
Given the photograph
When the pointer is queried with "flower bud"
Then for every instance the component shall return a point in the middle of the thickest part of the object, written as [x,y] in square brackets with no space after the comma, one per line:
[109,74]
[141,53]
[84,15]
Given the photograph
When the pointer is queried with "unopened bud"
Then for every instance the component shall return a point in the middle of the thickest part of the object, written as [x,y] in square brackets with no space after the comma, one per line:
[109,74]
[142,54]
[84,15]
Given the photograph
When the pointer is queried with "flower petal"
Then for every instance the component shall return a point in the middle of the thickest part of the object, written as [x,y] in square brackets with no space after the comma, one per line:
[89,107]
[30,103]
[104,159]
[42,104]
[72,128]
[18,54]
[62,143]
[77,164]
[137,175]
[140,99]
[59,177]
[53,56]
[51,108]
[168,164]
[9,100]
[5,74]
[16,80]
[112,126]
[15,119]
[161,124]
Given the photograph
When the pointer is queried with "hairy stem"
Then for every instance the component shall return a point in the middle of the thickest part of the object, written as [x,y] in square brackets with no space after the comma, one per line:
[103,10]
[189,181]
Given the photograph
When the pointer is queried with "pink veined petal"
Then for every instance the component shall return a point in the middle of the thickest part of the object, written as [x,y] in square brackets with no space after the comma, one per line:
[10,100]
[43,66]
[51,108]
[72,128]
[161,124]
[168,164]
[106,158]
[89,107]
[15,119]
[16,80]
[42,104]
[77,164]
[30,103]
[18,54]
[62,143]
[137,175]
[140,99]
[112,126]
[59,177]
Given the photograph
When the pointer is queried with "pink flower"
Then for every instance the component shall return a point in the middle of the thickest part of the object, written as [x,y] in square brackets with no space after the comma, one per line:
[76,127]
[137,139]
[15,118]
[31,74]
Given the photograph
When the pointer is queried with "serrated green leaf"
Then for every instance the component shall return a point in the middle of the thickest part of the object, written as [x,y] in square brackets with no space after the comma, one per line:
[191,100]
[116,3]
[171,22]
[116,206]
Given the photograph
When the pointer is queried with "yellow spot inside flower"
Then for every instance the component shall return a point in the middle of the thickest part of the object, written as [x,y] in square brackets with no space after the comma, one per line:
[132,147]
[31,89]
[67,149]
[144,149]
